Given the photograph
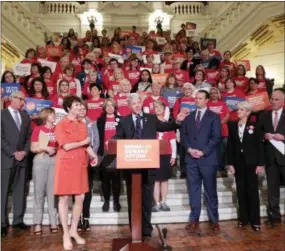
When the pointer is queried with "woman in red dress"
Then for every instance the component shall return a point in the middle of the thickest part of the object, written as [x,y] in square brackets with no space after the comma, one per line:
[71,177]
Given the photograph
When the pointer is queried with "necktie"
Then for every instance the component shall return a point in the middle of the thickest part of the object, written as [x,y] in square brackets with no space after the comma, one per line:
[17,120]
[138,127]
[198,119]
[275,121]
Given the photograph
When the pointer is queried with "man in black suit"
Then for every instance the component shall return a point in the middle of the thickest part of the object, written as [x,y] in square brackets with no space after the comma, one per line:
[272,124]
[15,146]
[140,125]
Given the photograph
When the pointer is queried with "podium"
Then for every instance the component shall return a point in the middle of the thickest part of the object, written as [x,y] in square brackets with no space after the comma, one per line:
[135,242]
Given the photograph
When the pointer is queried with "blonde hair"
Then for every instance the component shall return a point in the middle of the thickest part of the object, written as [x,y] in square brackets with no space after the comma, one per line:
[119,70]
[159,103]
[44,113]
[217,89]
[112,101]
[246,105]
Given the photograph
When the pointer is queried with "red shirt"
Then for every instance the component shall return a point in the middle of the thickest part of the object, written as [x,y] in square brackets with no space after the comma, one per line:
[50,133]
[241,83]
[262,84]
[214,53]
[221,109]
[181,75]
[57,101]
[149,51]
[135,35]
[228,64]
[110,130]
[235,93]
[50,87]
[133,76]
[148,102]
[167,67]
[72,86]
[29,61]
[221,85]
[212,76]
[76,61]
[123,107]
[114,86]
[95,108]
[178,102]
[166,136]
[86,90]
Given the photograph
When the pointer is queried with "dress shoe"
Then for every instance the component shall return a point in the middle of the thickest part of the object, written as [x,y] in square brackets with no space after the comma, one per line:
[117,206]
[272,222]
[86,225]
[106,206]
[256,228]
[216,227]
[22,226]
[192,225]
[4,232]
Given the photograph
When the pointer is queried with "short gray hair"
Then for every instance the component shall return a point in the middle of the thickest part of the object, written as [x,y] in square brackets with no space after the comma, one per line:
[246,105]
[133,96]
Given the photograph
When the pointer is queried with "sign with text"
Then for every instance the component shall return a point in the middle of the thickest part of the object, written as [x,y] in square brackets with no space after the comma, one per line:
[259,101]
[159,78]
[190,107]
[8,88]
[232,102]
[22,70]
[34,106]
[59,114]
[54,51]
[191,26]
[160,40]
[50,64]
[132,49]
[118,57]
[138,154]
[245,63]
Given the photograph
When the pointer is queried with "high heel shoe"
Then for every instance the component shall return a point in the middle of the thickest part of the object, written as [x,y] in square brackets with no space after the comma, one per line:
[67,245]
[240,224]
[79,240]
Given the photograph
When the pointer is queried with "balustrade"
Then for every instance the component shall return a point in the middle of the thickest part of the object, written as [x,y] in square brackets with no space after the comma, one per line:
[62,8]
[187,8]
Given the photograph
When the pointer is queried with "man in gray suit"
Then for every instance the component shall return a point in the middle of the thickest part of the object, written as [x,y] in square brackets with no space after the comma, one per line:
[15,146]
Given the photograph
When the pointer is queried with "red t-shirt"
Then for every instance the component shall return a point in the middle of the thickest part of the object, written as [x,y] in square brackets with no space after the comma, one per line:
[221,109]
[76,61]
[110,130]
[57,101]
[235,93]
[148,102]
[221,85]
[50,87]
[95,108]
[50,133]
[72,86]
[182,76]
[114,86]
[166,136]
[215,53]
[182,100]
[133,76]
[86,90]
[149,51]
[212,76]
[241,83]
[167,67]
[262,84]
[123,107]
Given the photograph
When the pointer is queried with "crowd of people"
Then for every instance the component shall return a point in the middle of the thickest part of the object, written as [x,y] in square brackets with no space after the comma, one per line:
[107,91]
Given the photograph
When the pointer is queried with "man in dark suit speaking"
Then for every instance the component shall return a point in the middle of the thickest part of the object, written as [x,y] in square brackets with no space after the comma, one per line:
[15,145]
[201,135]
[140,125]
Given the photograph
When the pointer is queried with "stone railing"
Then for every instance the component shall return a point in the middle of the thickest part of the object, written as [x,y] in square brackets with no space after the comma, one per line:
[187,8]
[63,8]
[21,27]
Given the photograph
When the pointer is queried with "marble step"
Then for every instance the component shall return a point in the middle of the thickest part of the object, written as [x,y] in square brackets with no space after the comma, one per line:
[178,214]
[173,199]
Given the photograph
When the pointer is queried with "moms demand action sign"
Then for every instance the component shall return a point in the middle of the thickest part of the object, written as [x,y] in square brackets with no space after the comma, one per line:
[138,154]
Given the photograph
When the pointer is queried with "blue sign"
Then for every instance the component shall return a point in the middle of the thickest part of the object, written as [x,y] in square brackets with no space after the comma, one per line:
[132,49]
[8,88]
[190,107]
[34,106]
[232,102]
[172,96]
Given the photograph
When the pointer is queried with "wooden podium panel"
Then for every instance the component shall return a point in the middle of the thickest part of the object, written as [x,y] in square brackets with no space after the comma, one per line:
[135,243]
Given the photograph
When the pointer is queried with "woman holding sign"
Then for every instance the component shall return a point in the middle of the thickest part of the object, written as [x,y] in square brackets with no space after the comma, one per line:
[44,145]
[71,176]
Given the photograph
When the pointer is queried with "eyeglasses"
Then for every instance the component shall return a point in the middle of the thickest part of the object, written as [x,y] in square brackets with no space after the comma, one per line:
[21,99]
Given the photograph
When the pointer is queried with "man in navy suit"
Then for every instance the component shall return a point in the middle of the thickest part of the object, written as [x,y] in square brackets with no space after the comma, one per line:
[201,135]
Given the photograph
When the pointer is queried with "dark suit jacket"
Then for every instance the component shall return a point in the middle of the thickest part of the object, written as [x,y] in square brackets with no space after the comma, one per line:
[126,130]
[191,67]
[266,126]
[206,138]
[252,145]
[12,140]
